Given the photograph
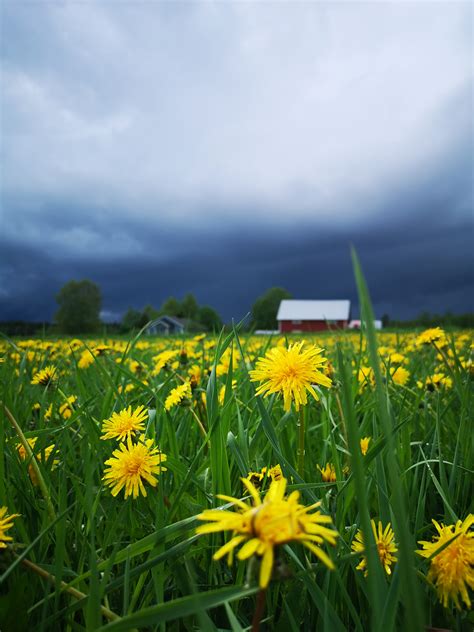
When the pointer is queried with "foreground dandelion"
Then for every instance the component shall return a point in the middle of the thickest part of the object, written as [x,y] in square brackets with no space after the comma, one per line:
[131,465]
[452,569]
[386,547]
[269,523]
[291,372]
[124,424]
[46,376]
[6,523]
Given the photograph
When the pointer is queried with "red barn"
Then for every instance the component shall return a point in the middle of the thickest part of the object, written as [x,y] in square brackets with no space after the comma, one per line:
[303,316]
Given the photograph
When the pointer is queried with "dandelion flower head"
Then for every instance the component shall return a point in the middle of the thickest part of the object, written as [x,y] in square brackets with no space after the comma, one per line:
[452,569]
[386,546]
[6,523]
[433,335]
[328,473]
[291,372]
[177,395]
[266,524]
[46,376]
[133,464]
[364,445]
[124,424]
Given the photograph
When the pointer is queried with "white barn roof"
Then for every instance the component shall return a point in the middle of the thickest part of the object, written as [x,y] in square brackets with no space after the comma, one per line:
[313,310]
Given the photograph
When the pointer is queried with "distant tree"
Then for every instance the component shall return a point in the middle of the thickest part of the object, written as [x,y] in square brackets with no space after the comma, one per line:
[79,307]
[385,320]
[171,307]
[149,313]
[265,308]
[209,318]
[189,307]
[133,319]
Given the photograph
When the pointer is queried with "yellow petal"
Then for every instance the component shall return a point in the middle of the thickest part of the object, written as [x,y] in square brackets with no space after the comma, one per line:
[266,567]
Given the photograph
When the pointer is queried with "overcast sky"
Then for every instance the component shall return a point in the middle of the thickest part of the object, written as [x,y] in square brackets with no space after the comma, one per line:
[224,147]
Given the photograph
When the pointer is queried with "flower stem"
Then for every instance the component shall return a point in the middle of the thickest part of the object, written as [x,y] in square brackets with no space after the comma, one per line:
[259,609]
[301,438]
[106,612]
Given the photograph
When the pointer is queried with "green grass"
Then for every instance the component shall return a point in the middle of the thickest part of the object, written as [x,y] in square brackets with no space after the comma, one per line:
[84,560]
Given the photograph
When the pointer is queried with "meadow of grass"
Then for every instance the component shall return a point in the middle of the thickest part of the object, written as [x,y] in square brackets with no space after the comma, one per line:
[83,559]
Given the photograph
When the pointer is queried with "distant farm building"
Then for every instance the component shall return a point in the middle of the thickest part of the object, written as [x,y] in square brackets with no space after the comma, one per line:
[302,316]
[357,324]
[166,325]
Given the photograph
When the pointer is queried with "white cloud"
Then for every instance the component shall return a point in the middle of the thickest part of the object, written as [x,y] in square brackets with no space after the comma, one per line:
[285,110]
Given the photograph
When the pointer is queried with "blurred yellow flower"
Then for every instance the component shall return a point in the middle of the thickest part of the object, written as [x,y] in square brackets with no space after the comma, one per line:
[452,569]
[177,395]
[435,334]
[400,376]
[328,473]
[364,445]
[6,523]
[38,455]
[46,376]
[436,381]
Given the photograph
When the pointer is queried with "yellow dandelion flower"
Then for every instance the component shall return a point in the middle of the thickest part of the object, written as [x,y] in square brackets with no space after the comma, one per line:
[365,377]
[275,472]
[328,473]
[162,360]
[132,463]
[452,569]
[124,424]
[291,372]
[6,523]
[398,358]
[49,412]
[262,526]
[177,395]
[46,376]
[386,546]
[38,455]
[435,382]
[136,367]
[400,376]
[256,478]
[433,335]
[364,445]
[66,409]
[194,375]
[221,395]
[86,359]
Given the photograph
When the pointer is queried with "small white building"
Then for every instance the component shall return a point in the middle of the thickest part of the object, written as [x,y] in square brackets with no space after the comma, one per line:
[357,324]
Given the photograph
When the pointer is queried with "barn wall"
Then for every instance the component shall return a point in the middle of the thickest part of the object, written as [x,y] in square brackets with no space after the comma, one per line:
[287,326]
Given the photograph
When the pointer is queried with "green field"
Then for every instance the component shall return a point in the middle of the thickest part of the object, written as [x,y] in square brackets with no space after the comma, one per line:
[82,558]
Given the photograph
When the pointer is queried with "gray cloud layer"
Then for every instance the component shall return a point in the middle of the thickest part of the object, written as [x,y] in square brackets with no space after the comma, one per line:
[224,147]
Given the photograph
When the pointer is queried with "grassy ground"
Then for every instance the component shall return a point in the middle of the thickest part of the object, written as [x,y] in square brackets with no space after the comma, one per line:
[82,559]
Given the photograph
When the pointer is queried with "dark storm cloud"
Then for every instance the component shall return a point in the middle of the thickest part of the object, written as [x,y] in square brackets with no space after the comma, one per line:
[419,264]
[159,149]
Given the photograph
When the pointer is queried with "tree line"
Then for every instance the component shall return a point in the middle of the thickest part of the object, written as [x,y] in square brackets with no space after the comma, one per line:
[80,303]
